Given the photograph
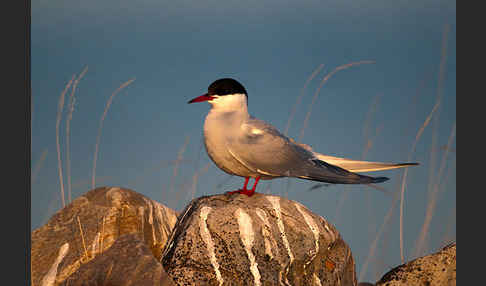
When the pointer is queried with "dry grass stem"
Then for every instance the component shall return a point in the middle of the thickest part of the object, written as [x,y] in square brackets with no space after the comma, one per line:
[52,206]
[102,234]
[434,144]
[82,238]
[98,138]
[108,274]
[324,80]
[434,134]
[447,238]
[180,156]
[433,198]
[404,179]
[72,101]
[433,148]
[369,144]
[195,178]
[374,244]
[367,124]
[38,165]
[294,108]
[301,95]
[196,166]
[58,122]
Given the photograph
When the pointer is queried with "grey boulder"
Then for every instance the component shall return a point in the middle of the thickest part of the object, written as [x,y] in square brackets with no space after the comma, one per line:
[258,240]
[432,270]
[90,224]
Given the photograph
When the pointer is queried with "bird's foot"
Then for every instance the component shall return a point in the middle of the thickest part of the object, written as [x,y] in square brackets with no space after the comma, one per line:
[242,191]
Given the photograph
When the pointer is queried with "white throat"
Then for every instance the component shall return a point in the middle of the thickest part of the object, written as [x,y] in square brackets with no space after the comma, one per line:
[229,103]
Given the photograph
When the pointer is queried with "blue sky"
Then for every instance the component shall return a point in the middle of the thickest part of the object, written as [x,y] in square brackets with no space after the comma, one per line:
[174,50]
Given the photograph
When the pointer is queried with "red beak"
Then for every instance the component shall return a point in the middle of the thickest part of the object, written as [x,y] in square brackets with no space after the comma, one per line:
[204,97]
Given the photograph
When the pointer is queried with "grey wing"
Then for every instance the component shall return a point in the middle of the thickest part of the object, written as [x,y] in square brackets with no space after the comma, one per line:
[263,149]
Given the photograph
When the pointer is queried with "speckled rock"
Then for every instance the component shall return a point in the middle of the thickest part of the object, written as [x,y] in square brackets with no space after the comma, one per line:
[258,240]
[90,224]
[431,270]
[127,262]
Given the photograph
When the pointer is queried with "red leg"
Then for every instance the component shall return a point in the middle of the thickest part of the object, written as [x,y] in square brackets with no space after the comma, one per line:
[255,184]
[241,190]
[245,190]
[247,179]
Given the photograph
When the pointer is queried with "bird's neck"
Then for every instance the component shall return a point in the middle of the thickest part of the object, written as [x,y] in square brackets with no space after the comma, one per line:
[225,119]
[230,103]
[229,116]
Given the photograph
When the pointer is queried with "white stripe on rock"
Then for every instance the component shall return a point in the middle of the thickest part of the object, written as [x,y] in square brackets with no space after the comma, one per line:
[206,237]
[247,236]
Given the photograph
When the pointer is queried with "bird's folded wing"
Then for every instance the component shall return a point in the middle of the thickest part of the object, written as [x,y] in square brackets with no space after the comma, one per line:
[262,148]
[360,166]
[272,154]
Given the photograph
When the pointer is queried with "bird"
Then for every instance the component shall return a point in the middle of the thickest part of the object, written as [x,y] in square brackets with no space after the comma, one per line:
[243,145]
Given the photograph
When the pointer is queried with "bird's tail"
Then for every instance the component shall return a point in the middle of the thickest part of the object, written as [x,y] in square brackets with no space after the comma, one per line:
[336,175]
[361,166]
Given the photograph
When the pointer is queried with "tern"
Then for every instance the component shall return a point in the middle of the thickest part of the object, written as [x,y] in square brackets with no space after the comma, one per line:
[242,145]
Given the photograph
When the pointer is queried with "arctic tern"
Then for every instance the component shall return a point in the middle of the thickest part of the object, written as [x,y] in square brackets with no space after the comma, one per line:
[245,146]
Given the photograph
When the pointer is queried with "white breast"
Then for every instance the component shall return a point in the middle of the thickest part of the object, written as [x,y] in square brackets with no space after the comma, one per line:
[220,128]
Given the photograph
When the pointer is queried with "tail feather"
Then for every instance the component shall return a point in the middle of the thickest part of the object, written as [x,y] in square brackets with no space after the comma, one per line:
[361,166]
[336,175]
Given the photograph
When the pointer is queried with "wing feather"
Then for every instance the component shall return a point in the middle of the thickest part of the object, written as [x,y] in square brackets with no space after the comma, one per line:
[262,147]
[361,166]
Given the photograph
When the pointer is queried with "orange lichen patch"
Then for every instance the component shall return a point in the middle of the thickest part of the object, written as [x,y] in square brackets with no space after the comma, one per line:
[329,265]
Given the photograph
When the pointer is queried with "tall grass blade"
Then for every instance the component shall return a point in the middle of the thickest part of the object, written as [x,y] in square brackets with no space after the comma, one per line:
[72,101]
[404,179]
[324,80]
[98,138]
[374,244]
[195,178]
[433,198]
[180,157]
[60,107]
[434,134]
[301,95]
[38,165]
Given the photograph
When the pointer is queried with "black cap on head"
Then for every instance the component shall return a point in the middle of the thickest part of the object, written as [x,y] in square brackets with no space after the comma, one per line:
[225,86]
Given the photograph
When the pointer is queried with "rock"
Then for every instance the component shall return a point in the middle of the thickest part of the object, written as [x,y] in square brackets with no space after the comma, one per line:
[435,269]
[257,240]
[90,224]
[127,262]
